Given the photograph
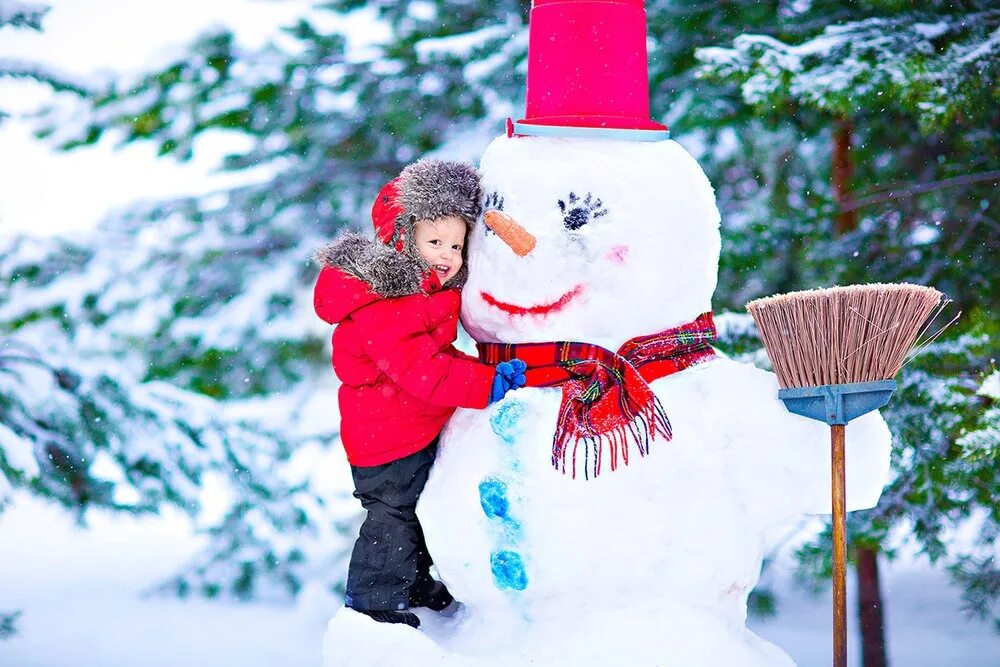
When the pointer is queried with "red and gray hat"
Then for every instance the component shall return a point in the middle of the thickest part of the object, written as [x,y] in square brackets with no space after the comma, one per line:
[426,190]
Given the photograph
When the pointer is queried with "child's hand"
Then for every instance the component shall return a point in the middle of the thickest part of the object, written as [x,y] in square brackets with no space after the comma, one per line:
[509,376]
[513,372]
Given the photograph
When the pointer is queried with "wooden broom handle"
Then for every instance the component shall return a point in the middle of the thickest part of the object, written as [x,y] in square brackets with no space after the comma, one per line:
[839,492]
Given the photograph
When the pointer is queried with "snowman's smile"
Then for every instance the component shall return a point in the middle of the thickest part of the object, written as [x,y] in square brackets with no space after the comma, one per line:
[543,309]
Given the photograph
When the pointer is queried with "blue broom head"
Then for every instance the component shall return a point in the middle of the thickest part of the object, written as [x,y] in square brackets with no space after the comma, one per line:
[837,403]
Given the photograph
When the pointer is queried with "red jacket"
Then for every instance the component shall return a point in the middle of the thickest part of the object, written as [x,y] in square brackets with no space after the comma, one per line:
[402,377]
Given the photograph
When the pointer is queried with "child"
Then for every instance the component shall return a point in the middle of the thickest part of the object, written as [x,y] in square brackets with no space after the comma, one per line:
[395,302]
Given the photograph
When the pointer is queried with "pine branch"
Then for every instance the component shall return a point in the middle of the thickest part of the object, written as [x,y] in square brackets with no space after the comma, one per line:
[920,188]
[8,626]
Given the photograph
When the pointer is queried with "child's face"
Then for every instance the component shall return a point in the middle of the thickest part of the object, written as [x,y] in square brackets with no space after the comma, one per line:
[440,243]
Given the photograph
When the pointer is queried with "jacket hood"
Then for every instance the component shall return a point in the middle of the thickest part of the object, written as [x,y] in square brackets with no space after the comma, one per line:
[374,271]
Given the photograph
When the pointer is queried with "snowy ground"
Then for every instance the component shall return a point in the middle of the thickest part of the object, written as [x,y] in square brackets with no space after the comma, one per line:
[81,594]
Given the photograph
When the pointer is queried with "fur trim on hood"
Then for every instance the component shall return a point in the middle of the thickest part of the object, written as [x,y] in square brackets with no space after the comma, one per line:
[389,273]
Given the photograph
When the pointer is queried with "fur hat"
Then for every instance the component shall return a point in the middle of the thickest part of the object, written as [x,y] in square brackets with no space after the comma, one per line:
[428,189]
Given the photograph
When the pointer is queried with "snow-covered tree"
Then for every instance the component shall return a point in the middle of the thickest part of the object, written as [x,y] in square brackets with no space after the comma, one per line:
[887,112]
[15,461]
[977,570]
[113,391]
[78,425]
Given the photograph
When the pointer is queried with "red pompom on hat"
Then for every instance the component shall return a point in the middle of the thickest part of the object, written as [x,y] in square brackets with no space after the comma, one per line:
[587,72]
[385,211]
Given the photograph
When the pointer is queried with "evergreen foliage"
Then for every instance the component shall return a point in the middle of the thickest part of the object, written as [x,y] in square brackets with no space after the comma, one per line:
[7,627]
[112,382]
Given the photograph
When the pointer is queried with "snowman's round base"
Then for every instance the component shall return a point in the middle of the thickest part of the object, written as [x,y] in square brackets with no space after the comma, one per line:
[637,637]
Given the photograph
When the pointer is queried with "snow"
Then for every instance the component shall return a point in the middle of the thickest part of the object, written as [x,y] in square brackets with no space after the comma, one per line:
[924,234]
[21,68]
[511,48]
[931,30]
[460,46]
[422,10]
[871,56]
[17,453]
[88,586]
[735,325]
[991,386]
[984,51]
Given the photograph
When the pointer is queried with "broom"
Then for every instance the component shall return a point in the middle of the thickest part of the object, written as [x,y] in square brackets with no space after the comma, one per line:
[835,352]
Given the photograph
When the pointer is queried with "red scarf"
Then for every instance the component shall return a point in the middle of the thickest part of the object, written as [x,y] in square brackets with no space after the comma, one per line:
[606,395]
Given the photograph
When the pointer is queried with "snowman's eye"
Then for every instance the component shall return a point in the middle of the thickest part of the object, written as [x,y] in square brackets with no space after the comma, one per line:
[578,211]
[493,202]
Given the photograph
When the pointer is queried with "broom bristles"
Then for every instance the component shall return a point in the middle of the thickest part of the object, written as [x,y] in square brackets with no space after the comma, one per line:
[838,335]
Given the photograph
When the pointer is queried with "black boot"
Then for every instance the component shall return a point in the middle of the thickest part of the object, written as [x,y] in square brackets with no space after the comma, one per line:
[434,595]
[390,616]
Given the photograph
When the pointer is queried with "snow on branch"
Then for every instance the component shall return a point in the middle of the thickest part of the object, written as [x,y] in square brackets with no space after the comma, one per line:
[85,435]
[22,69]
[22,14]
[928,67]
[460,46]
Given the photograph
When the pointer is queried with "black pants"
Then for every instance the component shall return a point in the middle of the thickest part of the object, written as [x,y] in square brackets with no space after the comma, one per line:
[390,558]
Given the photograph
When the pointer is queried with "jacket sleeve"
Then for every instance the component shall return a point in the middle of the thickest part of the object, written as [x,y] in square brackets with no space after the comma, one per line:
[458,354]
[399,345]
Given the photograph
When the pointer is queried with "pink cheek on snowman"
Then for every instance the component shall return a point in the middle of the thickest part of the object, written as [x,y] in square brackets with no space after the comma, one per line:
[617,254]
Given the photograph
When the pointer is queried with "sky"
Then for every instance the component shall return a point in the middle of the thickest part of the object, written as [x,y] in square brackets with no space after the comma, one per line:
[45,192]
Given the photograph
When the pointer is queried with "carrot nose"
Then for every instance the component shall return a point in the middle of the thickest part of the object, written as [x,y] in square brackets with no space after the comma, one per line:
[517,237]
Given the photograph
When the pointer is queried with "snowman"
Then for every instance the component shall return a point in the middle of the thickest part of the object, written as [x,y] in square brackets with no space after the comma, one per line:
[626,528]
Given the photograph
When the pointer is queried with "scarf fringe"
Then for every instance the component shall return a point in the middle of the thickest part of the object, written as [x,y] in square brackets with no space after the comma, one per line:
[642,430]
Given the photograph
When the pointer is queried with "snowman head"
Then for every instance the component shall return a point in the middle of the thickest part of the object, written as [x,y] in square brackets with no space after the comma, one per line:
[598,240]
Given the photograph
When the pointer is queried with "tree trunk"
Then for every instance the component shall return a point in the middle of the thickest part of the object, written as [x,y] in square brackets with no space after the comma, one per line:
[843,172]
[870,609]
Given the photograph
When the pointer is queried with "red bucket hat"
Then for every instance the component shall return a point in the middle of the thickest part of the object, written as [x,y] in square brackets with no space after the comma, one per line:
[587,72]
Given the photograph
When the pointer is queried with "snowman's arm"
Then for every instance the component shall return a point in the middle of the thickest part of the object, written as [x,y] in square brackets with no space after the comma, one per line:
[784,459]
[806,454]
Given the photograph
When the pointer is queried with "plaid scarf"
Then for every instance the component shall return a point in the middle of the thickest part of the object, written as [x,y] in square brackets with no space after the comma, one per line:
[606,395]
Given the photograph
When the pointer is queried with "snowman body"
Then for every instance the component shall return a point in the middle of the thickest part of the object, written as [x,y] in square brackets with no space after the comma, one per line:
[652,563]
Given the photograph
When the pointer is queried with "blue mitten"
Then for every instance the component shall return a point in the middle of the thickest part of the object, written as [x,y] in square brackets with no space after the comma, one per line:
[513,372]
[509,375]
